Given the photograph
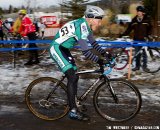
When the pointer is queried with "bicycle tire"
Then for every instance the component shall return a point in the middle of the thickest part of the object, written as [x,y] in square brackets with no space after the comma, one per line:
[107,108]
[55,107]
[122,60]
[153,63]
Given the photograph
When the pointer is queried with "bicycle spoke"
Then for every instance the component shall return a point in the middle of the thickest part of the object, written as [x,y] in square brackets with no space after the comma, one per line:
[47,107]
[129,101]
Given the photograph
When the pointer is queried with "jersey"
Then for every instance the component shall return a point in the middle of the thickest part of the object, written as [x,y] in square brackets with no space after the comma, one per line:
[71,32]
[27,26]
[76,31]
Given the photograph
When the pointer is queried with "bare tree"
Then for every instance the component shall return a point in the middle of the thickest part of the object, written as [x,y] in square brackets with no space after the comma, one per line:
[30,4]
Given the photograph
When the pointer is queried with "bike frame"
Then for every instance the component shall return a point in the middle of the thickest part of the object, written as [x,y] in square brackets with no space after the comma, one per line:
[90,88]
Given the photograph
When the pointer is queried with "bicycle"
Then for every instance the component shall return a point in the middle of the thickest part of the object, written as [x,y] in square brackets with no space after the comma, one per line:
[8,36]
[115,100]
[153,56]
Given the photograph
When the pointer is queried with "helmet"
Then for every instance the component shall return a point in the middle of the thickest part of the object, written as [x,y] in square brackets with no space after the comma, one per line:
[22,11]
[140,8]
[94,12]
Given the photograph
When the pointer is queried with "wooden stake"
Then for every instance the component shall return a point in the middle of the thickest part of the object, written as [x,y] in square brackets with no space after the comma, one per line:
[130,62]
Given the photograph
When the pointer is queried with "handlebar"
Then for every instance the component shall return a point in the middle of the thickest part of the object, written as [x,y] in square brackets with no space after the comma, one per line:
[110,65]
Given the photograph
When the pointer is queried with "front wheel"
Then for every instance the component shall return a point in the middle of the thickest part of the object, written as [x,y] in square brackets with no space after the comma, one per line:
[47,100]
[123,104]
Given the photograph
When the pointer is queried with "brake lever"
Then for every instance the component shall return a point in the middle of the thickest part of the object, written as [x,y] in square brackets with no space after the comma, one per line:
[101,68]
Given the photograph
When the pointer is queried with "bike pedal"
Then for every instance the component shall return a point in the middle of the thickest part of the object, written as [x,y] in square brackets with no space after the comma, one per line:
[82,108]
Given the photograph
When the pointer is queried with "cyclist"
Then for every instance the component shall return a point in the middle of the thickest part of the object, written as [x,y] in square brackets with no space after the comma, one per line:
[77,31]
[27,28]
[142,28]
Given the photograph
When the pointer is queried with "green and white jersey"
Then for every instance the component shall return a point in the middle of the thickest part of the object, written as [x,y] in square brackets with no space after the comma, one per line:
[72,32]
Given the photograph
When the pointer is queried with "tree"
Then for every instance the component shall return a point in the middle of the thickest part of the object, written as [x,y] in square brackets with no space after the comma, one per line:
[151,7]
[15,10]
[75,7]
[10,10]
[1,11]
[125,8]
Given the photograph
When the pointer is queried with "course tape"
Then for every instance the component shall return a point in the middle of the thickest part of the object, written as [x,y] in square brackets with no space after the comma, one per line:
[104,44]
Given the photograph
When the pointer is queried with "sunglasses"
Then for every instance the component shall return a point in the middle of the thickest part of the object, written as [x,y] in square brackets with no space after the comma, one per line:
[98,17]
[95,17]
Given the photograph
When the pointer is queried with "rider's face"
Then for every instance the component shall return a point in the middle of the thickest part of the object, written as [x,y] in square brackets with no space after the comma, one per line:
[95,24]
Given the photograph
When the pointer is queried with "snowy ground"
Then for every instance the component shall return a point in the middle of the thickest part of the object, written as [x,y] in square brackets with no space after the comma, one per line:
[15,80]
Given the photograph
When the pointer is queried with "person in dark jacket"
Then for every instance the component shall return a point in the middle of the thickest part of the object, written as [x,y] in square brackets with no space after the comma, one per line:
[141,26]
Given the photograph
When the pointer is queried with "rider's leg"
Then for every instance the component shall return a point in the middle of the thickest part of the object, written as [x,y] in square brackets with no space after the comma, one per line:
[71,87]
[66,63]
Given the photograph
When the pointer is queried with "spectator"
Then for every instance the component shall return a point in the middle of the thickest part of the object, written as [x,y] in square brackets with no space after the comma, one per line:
[1,30]
[36,23]
[16,25]
[42,27]
[141,27]
[28,29]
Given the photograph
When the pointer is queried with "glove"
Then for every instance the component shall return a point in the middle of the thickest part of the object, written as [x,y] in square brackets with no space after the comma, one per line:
[107,56]
[102,62]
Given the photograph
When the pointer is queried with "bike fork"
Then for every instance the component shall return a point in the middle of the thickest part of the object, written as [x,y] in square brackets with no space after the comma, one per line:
[111,89]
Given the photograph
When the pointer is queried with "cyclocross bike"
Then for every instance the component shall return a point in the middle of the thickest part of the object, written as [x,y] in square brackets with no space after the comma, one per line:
[114,99]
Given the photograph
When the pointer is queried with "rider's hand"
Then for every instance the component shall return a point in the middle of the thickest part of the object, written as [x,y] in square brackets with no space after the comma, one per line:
[108,56]
[102,62]
[112,64]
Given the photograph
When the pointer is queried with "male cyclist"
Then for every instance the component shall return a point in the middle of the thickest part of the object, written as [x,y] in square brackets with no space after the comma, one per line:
[77,31]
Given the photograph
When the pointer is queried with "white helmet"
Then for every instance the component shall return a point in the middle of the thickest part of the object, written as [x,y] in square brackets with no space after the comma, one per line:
[94,12]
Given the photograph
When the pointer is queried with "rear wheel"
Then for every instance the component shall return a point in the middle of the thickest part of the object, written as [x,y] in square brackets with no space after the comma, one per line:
[46,100]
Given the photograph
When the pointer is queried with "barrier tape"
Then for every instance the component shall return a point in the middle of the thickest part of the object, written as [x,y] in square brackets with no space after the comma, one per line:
[105,44]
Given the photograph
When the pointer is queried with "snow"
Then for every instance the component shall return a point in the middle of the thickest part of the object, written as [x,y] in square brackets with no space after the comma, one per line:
[14,81]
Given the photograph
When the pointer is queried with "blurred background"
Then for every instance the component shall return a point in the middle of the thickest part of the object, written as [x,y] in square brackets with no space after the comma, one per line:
[56,13]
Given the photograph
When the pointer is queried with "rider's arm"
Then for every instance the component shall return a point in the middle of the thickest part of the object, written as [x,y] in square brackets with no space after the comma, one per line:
[95,45]
[86,51]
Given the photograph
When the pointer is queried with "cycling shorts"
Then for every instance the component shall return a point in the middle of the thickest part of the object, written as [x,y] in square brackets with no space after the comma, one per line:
[62,57]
